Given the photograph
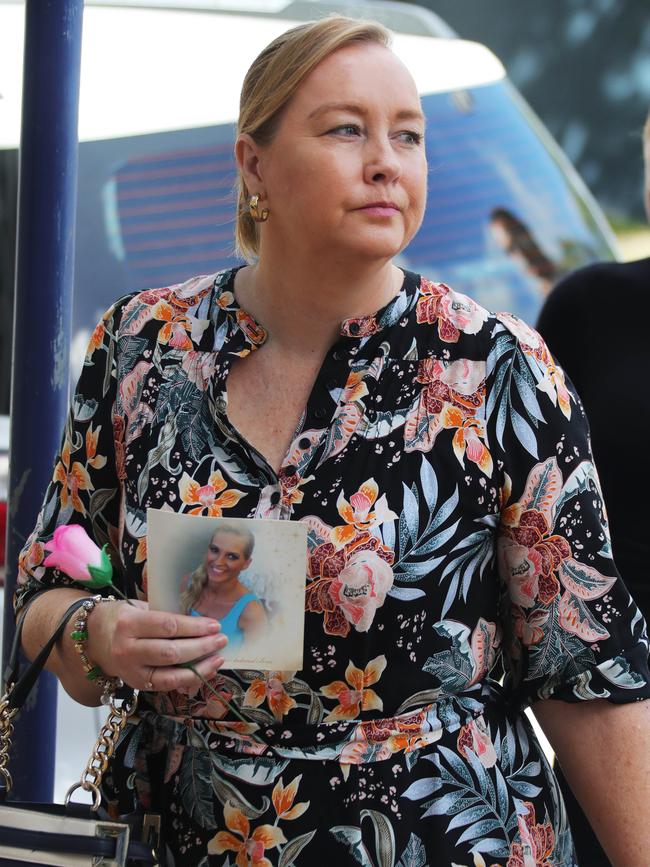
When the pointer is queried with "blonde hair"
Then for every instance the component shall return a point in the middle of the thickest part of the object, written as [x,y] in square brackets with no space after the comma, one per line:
[199,578]
[272,80]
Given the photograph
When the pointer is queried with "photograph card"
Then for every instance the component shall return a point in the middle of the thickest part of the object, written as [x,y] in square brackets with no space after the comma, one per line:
[248,573]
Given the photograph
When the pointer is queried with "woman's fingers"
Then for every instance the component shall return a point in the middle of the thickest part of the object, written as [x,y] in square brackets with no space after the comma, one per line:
[148,649]
[145,623]
[161,651]
[179,677]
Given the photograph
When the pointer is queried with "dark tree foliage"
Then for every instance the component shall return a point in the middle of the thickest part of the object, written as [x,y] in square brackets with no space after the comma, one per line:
[584,67]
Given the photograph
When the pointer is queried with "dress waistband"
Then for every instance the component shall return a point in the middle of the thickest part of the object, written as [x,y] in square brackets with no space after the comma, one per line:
[347,742]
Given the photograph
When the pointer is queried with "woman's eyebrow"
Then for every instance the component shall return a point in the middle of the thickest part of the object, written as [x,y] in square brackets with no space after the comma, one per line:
[352,107]
[355,108]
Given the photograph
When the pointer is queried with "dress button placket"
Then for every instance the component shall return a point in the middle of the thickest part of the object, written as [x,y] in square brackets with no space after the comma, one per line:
[332,376]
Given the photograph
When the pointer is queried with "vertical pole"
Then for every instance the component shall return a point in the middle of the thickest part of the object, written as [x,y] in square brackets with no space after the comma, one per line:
[47,189]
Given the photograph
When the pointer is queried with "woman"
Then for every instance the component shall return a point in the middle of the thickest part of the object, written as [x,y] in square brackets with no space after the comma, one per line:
[418,437]
[515,238]
[214,589]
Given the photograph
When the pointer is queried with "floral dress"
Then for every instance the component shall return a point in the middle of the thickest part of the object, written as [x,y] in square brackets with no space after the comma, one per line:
[459,568]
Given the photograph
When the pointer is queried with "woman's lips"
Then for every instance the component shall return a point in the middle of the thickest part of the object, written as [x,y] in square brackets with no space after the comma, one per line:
[380,209]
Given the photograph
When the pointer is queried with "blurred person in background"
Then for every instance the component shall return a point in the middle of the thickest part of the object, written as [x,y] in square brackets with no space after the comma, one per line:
[518,241]
[595,322]
[515,238]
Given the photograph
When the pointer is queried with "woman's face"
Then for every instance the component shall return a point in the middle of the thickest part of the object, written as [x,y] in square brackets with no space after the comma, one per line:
[346,170]
[226,557]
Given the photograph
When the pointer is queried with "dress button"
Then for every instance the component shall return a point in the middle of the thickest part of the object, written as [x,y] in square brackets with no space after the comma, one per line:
[304,443]
[337,355]
[355,328]
[321,412]
[331,384]
[290,470]
[275,498]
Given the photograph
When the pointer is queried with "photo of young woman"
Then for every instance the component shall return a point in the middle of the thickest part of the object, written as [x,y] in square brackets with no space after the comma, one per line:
[214,589]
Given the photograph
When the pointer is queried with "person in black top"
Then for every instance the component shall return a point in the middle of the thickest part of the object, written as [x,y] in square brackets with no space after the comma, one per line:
[595,324]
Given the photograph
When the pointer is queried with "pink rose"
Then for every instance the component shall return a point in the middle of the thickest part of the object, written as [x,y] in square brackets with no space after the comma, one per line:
[73,552]
[463,313]
[520,568]
[361,587]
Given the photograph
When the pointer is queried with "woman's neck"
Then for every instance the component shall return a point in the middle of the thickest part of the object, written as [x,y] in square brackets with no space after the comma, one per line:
[225,593]
[301,306]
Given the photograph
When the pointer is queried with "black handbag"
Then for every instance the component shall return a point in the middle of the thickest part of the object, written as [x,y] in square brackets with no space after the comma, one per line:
[69,834]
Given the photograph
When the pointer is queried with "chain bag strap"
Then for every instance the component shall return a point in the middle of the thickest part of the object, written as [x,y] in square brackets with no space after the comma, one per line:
[70,833]
[103,750]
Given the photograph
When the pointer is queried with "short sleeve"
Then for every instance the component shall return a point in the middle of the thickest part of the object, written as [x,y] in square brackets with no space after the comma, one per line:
[571,629]
[85,481]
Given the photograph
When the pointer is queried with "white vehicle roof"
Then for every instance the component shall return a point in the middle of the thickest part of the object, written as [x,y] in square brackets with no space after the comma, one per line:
[140,66]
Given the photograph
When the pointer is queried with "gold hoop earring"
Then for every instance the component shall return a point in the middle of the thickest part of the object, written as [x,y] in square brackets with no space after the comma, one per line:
[253,207]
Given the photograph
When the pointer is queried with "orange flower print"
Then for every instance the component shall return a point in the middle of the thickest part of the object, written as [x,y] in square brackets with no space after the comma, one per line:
[283,799]
[72,480]
[453,396]
[30,558]
[382,738]
[453,312]
[271,689]
[290,486]
[554,384]
[250,848]
[537,841]
[225,300]
[96,339]
[357,513]
[141,550]
[92,436]
[162,311]
[352,700]
[174,331]
[355,387]
[210,499]
[467,439]
[530,556]
[253,332]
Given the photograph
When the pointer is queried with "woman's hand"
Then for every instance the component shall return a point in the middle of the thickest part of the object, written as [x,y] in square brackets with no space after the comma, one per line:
[148,649]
